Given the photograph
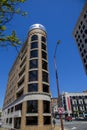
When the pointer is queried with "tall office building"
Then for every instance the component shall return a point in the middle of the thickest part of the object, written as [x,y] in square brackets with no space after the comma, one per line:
[27,99]
[80,34]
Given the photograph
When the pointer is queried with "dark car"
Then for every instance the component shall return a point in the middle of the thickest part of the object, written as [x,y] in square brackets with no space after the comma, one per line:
[68,118]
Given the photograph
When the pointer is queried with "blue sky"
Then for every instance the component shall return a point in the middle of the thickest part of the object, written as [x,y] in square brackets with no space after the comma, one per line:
[59,18]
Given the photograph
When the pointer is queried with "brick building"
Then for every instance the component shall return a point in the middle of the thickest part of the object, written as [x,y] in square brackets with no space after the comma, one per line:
[27,99]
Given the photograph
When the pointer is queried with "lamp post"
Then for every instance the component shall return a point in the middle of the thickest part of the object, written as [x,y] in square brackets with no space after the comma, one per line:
[58,89]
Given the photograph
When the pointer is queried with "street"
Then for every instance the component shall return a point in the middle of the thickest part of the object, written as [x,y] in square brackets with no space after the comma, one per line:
[73,125]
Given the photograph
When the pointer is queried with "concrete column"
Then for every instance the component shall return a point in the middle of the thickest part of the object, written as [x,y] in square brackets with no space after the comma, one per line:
[23,117]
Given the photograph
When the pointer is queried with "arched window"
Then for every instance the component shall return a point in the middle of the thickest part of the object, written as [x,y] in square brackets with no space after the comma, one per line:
[34,37]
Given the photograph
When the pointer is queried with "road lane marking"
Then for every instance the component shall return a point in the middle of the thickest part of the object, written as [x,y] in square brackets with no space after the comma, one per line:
[73,128]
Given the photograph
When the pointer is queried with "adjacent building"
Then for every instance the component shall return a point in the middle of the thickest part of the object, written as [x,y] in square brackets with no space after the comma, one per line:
[27,99]
[75,104]
[0,117]
[54,106]
[80,35]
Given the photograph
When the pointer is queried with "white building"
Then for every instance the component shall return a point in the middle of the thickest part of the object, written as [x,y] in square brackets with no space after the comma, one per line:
[75,104]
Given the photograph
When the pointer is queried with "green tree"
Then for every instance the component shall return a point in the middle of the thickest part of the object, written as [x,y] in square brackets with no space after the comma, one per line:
[8,8]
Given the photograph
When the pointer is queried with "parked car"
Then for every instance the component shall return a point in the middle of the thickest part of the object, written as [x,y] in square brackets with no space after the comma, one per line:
[79,118]
[68,118]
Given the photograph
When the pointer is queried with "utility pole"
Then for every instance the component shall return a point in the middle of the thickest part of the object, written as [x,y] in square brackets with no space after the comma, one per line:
[58,89]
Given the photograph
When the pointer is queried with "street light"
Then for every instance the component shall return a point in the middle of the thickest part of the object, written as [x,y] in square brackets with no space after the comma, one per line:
[58,89]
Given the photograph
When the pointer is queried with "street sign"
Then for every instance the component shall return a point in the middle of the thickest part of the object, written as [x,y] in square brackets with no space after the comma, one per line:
[60,110]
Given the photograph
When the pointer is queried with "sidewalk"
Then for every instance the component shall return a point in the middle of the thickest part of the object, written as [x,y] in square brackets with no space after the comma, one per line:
[3,129]
[57,127]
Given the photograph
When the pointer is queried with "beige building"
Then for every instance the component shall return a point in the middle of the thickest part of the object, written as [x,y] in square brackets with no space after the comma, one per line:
[80,35]
[27,99]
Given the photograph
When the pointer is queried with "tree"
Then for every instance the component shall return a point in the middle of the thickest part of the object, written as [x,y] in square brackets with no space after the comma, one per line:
[8,8]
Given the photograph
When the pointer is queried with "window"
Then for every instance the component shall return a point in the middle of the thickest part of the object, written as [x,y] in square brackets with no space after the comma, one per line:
[83,26]
[86,31]
[44,65]
[85,40]
[22,63]
[32,120]
[17,123]
[44,55]
[83,35]
[77,40]
[84,60]
[10,121]
[47,120]
[33,63]
[20,82]
[86,66]
[76,32]
[78,36]
[79,26]
[33,87]
[75,35]
[84,51]
[43,39]
[46,107]
[81,22]
[34,45]
[18,107]
[78,44]
[33,75]
[43,46]
[45,88]
[12,109]
[82,45]
[32,106]
[7,120]
[19,94]
[84,15]
[34,37]
[34,53]
[80,41]
[45,76]
[82,54]
[80,49]
[81,31]
[22,71]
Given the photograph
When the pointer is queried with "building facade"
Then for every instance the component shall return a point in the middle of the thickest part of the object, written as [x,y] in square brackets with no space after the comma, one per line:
[80,35]
[0,117]
[27,99]
[54,106]
[75,104]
